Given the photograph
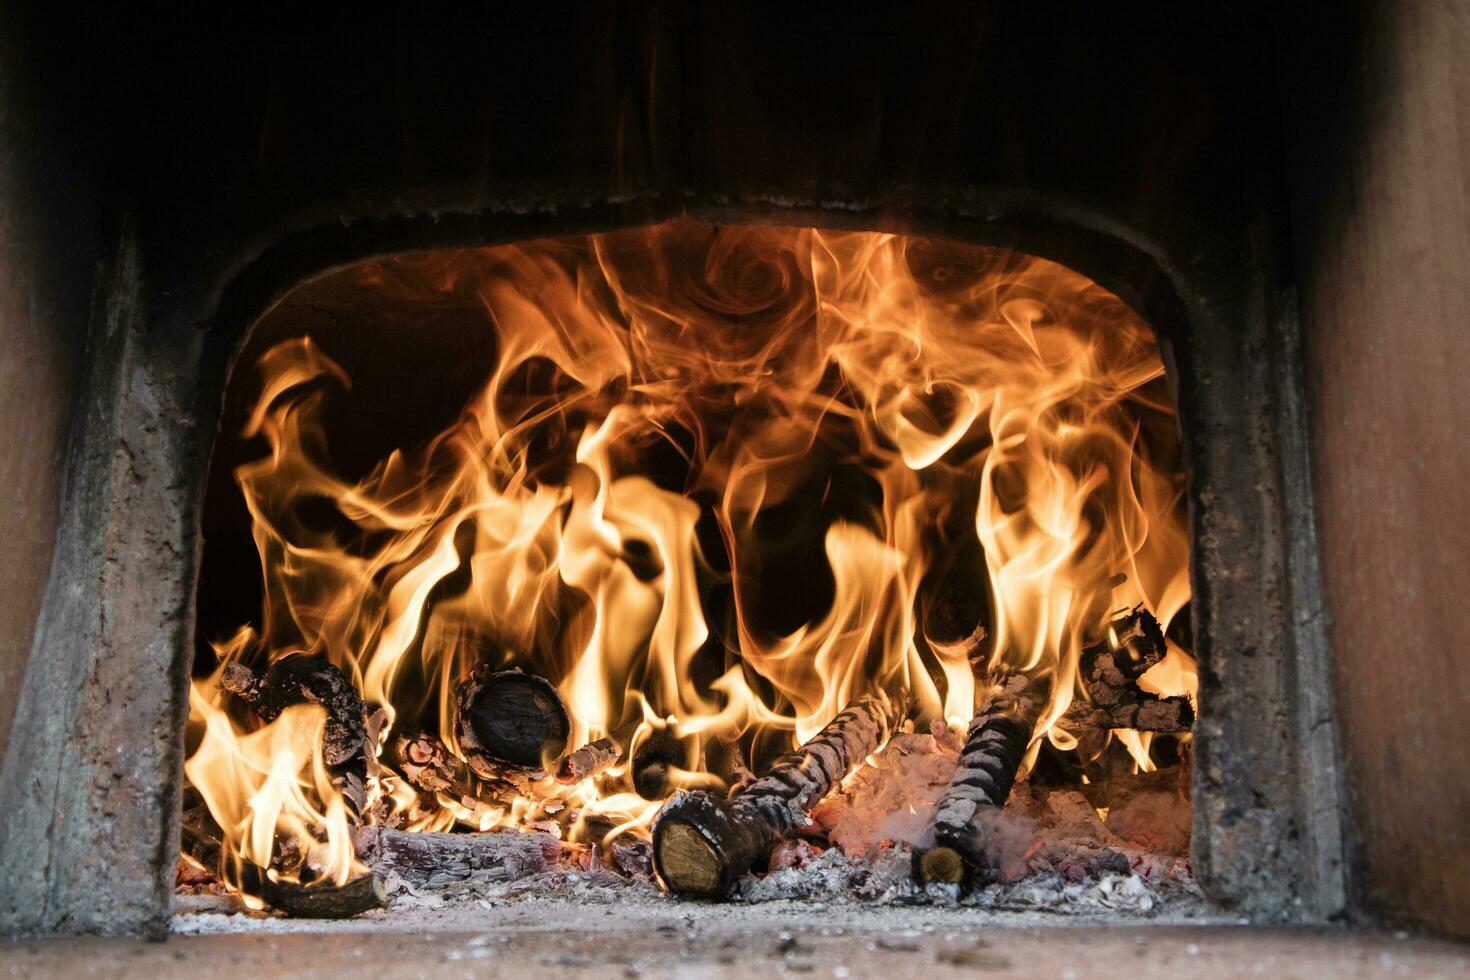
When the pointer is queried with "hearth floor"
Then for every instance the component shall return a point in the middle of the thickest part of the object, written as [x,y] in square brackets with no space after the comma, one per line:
[547,938]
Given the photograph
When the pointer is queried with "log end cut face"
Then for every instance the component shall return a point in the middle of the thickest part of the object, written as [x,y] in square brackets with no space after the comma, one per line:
[941,864]
[687,862]
[517,718]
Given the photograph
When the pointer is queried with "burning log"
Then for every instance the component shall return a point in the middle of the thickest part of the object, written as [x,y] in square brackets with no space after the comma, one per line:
[427,858]
[315,900]
[301,679]
[510,720]
[1147,713]
[589,760]
[1110,671]
[652,761]
[703,844]
[424,760]
[982,780]
[361,894]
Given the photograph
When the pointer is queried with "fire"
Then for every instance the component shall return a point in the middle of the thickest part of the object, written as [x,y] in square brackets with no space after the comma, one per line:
[716,486]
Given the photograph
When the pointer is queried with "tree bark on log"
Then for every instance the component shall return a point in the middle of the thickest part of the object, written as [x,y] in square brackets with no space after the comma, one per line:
[1148,713]
[982,780]
[361,894]
[317,900]
[301,679]
[703,844]
[589,760]
[424,761]
[1110,671]
[426,859]
[509,720]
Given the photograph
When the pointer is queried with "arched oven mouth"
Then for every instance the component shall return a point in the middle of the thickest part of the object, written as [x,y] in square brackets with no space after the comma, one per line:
[734,560]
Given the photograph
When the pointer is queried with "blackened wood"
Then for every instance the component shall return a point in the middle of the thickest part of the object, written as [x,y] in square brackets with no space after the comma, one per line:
[1145,713]
[653,760]
[300,679]
[430,858]
[1134,644]
[703,844]
[633,856]
[958,849]
[508,719]
[589,760]
[362,894]
[317,900]
[1110,671]
[425,761]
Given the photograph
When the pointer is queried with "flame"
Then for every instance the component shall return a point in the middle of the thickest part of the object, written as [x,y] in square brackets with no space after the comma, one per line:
[270,786]
[687,428]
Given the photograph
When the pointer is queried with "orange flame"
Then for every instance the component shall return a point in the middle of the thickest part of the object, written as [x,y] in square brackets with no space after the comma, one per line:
[678,419]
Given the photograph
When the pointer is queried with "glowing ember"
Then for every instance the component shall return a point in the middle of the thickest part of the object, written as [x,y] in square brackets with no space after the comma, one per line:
[720,483]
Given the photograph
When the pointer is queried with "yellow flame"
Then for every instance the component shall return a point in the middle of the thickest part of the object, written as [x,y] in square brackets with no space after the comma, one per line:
[975,392]
[270,784]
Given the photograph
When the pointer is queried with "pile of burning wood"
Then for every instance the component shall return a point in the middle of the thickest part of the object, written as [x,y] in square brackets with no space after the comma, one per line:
[512,728]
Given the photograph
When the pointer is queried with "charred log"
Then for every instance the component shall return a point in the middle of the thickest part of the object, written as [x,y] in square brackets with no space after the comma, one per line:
[703,844]
[1147,713]
[632,856]
[431,858]
[589,760]
[315,900]
[362,894]
[653,761]
[510,720]
[300,679]
[998,736]
[1135,643]
[1110,671]
[425,761]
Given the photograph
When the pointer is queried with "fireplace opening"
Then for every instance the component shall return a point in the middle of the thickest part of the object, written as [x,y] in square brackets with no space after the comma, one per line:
[737,561]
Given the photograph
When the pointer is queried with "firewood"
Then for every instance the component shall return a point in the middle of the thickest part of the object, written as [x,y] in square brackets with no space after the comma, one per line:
[300,679]
[314,899]
[1135,643]
[703,844]
[425,761]
[589,760]
[982,780]
[318,899]
[1147,713]
[509,720]
[1110,671]
[653,760]
[741,777]
[429,858]
[632,856]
